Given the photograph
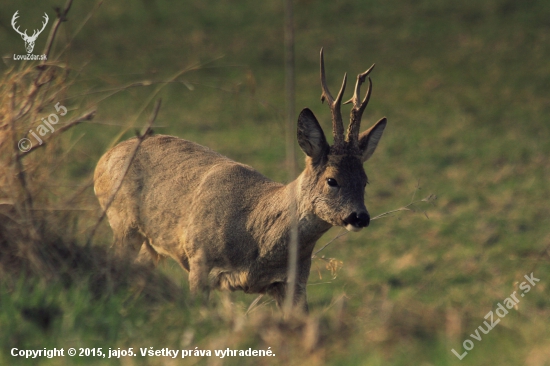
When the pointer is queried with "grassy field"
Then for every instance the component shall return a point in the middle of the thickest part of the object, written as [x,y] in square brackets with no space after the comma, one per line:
[466,90]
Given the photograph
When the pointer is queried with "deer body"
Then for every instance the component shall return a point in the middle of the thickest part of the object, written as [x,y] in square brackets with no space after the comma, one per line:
[223,221]
[225,217]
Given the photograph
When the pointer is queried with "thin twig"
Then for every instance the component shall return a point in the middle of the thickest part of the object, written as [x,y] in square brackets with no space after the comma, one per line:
[253,305]
[88,116]
[429,199]
[85,117]
[81,26]
[417,188]
[150,98]
[61,17]
[340,234]
[140,137]
[58,163]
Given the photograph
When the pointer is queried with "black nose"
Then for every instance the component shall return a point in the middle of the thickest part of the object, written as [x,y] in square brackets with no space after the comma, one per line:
[361,219]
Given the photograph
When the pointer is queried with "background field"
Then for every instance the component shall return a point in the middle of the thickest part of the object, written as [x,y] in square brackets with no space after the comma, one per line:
[466,90]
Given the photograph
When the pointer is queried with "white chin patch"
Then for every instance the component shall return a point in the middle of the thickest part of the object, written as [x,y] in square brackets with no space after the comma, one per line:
[350,227]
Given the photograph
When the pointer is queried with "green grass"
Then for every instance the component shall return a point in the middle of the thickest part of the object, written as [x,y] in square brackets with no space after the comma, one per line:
[465,86]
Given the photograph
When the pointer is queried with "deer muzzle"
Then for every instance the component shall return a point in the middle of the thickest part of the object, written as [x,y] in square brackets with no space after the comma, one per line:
[357,221]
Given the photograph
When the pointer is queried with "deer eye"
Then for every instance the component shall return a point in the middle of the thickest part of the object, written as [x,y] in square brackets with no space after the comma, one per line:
[332,182]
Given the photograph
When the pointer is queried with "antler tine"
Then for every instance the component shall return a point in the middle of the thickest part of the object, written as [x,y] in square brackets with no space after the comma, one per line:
[334,105]
[326,93]
[365,101]
[36,31]
[45,22]
[13,20]
[360,80]
[358,109]
[341,92]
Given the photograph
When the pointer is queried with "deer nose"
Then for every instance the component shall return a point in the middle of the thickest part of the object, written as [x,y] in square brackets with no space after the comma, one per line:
[358,219]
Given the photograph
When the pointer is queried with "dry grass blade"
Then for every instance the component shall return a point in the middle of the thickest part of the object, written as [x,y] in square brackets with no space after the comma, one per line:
[30,237]
[254,303]
[340,234]
[20,171]
[39,239]
[27,240]
[409,207]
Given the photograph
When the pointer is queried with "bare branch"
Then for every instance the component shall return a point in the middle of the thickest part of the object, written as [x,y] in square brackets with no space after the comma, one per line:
[61,17]
[88,116]
[85,117]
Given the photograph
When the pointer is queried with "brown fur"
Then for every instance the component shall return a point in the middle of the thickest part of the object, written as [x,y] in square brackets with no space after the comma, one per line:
[224,222]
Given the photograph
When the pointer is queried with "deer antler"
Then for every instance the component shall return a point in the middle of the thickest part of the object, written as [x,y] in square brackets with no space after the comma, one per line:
[13,19]
[357,111]
[35,34]
[24,34]
[334,105]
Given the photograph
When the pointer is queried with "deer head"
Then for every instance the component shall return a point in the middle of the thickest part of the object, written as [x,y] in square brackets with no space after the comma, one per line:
[29,40]
[334,177]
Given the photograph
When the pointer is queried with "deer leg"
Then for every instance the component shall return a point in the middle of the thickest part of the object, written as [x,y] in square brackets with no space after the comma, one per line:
[299,301]
[198,277]
[127,240]
[277,290]
[300,297]
[300,293]
[147,255]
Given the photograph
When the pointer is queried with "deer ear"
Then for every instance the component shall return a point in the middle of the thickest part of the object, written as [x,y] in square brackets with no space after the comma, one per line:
[311,137]
[369,139]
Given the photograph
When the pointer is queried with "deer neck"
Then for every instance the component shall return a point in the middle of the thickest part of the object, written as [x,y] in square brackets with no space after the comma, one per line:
[310,226]
[275,214]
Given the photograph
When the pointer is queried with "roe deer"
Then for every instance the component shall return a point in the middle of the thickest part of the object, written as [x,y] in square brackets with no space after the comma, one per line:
[226,223]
